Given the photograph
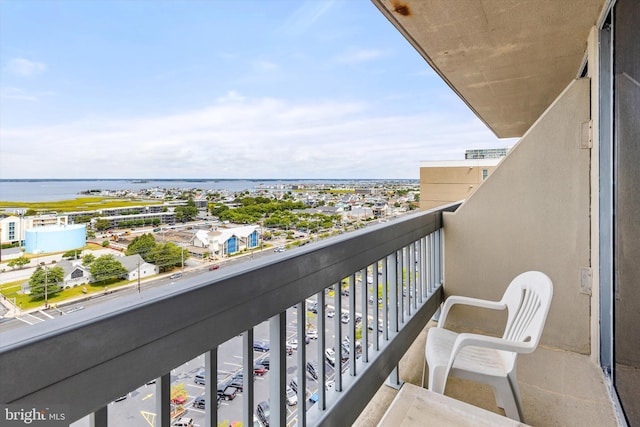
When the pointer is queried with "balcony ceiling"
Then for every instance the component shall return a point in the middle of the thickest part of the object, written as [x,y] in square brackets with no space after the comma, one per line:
[507,59]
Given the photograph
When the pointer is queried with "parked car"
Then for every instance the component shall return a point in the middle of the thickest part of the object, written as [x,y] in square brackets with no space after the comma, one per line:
[330,355]
[175,275]
[312,334]
[199,402]
[344,317]
[265,362]
[183,422]
[229,393]
[263,413]
[312,369]
[293,343]
[259,369]
[294,385]
[313,307]
[237,381]
[261,346]
[214,267]
[292,397]
[199,378]
[179,400]
[331,313]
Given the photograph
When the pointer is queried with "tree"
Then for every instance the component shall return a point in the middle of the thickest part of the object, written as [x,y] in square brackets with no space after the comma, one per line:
[45,280]
[106,267]
[105,243]
[142,245]
[102,224]
[31,212]
[186,213]
[19,262]
[72,254]
[167,255]
[88,259]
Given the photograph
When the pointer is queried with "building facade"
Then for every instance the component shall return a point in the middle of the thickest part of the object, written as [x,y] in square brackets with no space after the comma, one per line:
[447,181]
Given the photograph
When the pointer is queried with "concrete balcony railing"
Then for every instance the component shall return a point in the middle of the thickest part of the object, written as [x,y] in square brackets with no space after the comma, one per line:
[87,360]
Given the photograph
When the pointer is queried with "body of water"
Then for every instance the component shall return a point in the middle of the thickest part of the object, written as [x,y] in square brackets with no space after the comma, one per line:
[53,190]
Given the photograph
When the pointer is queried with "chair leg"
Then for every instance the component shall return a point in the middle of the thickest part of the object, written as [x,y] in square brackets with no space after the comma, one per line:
[513,382]
[424,369]
[506,395]
[437,379]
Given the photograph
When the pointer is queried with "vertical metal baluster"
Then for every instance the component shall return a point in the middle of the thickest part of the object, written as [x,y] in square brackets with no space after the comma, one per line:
[352,325]
[365,315]
[393,289]
[247,379]
[338,336]
[432,263]
[211,388]
[414,275]
[322,371]
[99,418]
[278,376]
[399,287]
[385,298]
[439,256]
[163,400]
[419,271]
[375,309]
[301,310]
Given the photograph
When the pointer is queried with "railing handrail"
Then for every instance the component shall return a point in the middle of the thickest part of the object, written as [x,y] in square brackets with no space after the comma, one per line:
[98,354]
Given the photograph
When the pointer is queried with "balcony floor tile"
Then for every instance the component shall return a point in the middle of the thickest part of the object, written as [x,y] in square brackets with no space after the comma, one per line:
[558,388]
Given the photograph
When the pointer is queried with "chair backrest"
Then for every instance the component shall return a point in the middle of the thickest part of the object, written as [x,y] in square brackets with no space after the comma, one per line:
[528,299]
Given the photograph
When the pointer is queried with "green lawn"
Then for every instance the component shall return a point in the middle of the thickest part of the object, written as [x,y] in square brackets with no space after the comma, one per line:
[24,302]
[79,204]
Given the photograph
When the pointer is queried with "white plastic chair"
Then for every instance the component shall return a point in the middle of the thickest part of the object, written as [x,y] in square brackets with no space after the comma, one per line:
[487,359]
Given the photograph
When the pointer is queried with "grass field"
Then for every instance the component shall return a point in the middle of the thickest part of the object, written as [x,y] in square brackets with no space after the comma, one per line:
[24,302]
[78,205]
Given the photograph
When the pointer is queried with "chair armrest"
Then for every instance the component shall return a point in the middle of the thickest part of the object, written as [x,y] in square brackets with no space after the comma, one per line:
[456,299]
[475,340]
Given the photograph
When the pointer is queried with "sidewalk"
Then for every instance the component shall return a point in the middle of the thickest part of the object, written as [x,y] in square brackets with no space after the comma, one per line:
[11,311]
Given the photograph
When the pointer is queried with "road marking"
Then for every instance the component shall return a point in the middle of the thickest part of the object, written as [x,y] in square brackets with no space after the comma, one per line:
[24,320]
[149,417]
[48,315]
[147,396]
[195,385]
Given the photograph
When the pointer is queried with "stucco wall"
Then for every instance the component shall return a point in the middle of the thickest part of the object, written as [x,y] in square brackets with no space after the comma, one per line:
[443,185]
[532,213]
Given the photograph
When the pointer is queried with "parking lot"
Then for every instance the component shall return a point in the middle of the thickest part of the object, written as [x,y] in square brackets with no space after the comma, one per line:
[138,408]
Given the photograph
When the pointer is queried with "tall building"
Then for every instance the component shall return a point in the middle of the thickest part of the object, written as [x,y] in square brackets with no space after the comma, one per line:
[447,181]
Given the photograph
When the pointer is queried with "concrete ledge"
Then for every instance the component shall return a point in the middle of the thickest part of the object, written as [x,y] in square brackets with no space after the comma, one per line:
[417,406]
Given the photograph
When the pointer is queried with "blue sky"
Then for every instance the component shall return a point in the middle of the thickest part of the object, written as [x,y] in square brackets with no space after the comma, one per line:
[219,89]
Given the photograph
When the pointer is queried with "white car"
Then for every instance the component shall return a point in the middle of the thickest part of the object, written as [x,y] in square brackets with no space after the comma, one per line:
[331,313]
[312,334]
[183,422]
[292,397]
[330,354]
[293,343]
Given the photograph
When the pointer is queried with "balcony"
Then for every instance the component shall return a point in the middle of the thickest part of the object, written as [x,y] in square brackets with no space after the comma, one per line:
[88,360]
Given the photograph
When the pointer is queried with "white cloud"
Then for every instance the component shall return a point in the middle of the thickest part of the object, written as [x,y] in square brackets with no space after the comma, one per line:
[265,65]
[359,55]
[305,16]
[17,94]
[24,67]
[14,93]
[245,138]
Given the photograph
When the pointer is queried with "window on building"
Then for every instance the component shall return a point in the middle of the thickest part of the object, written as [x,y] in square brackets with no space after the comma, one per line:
[77,273]
[485,174]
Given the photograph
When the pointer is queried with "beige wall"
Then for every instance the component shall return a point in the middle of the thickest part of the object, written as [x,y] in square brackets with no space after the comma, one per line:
[447,184]
[532,213]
